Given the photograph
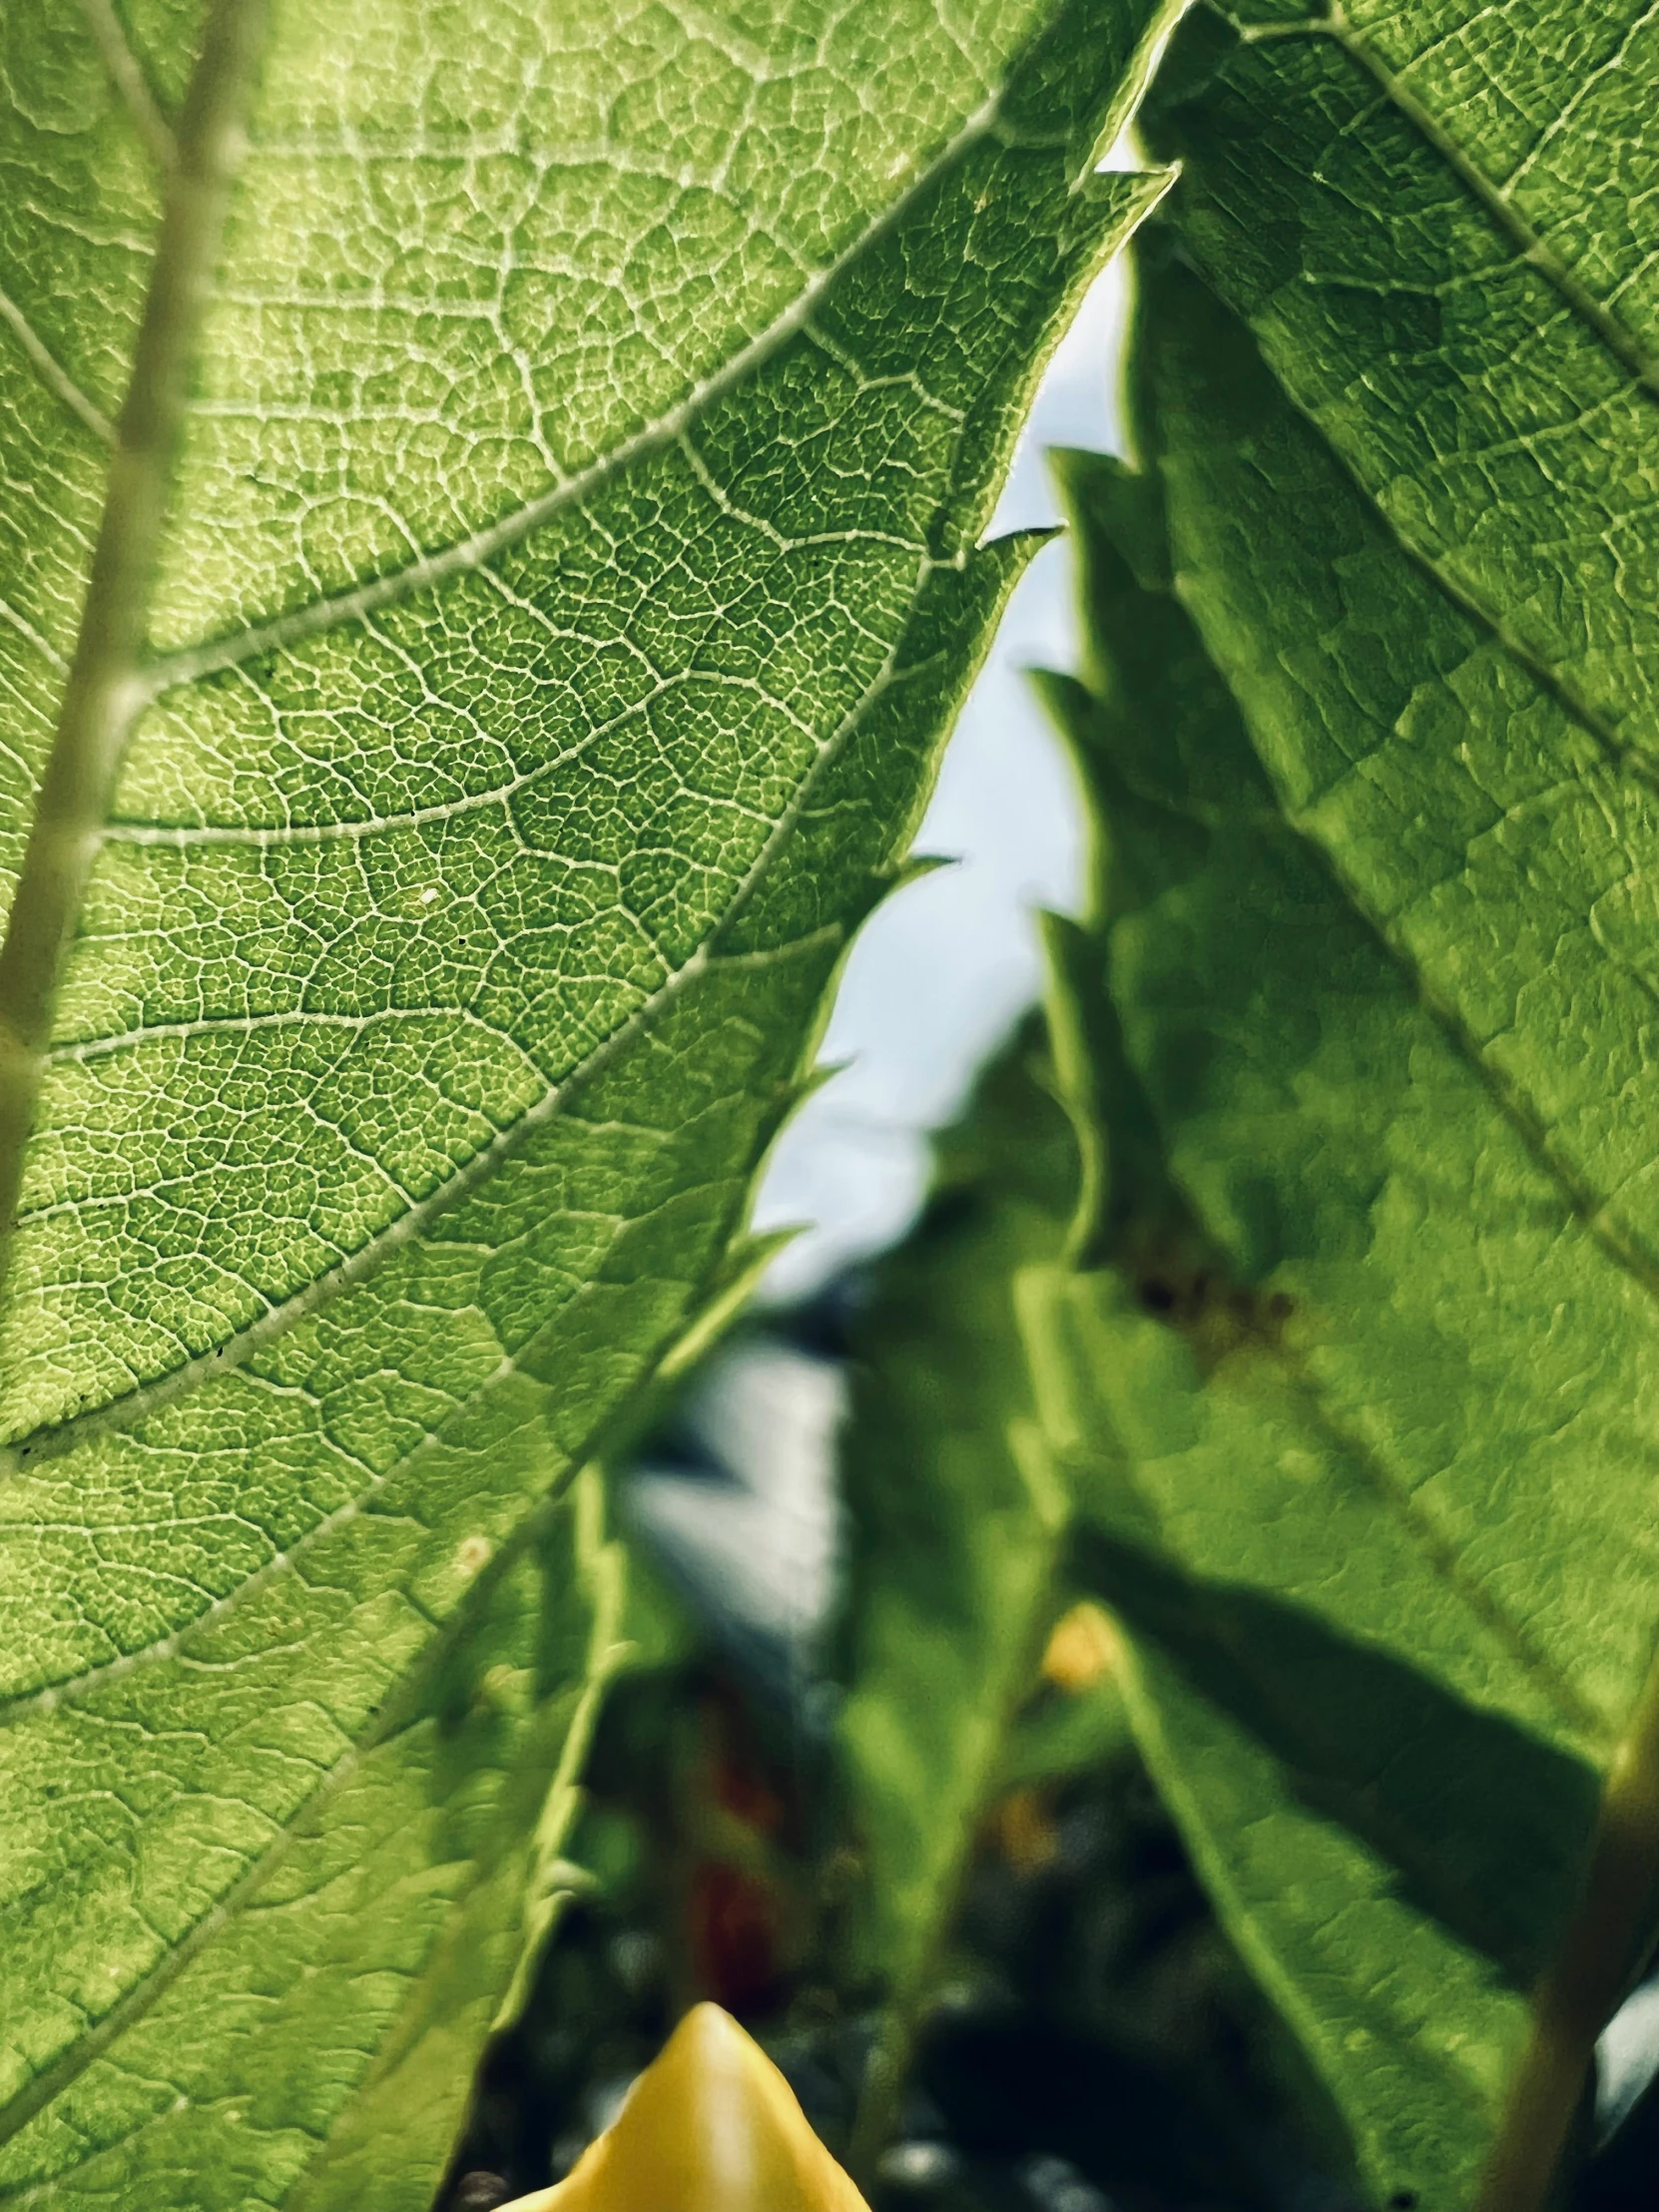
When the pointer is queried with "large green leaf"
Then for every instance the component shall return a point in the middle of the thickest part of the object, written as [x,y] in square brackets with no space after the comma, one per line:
[1410,515]
[1363,1409]
[490,549]
[1438,222]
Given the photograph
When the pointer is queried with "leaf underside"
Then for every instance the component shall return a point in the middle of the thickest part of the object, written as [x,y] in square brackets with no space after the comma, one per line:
[1361,1403]
[569,566]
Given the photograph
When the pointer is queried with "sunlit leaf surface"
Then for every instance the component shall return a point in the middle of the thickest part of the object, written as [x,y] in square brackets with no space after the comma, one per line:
[498,667]
[1363,1408]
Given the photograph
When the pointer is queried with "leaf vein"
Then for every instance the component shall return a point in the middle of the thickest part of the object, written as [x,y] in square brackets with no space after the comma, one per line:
[187,663]
[52,372]
[1530,246]
[126,75]
[405,1227]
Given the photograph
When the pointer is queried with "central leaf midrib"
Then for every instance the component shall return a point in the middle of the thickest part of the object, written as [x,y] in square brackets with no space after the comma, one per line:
[52,1439]
[173,670]
[158,675]
[163,675]
[99,702]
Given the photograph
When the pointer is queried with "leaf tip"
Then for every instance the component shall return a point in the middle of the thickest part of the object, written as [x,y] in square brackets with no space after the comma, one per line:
[710,2126]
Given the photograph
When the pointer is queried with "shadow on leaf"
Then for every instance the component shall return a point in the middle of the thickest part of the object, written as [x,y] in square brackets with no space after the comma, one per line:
[1485,1823]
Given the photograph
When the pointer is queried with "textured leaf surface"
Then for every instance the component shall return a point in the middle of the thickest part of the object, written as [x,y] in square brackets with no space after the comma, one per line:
[1435,220]
[463,783]
[312,2040]
[1409,508]
[1364,1408]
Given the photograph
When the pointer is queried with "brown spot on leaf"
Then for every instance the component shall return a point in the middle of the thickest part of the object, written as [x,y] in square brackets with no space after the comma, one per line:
[1181,1282]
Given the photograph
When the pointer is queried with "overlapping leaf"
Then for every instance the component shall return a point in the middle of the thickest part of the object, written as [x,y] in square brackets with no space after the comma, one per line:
[1364,1402]
[475,772]
[1392,1437]
[1437,221]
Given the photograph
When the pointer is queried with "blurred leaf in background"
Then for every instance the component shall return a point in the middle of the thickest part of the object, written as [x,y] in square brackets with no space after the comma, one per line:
[1068,2022]
[1033,1940]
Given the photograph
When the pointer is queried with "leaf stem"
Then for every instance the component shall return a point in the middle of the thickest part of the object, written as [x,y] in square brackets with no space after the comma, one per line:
[102,692]
[1590,1972]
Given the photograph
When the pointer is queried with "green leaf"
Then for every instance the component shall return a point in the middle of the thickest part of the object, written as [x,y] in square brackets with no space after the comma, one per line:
[956,1525]
[1409,515]
[1360,1414]
[491,549]
[494,1914]
[1434,220]
[312,2040]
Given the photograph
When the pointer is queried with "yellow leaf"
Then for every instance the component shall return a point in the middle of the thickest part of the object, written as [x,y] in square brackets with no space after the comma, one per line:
[710,2126]
[1084,1646]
